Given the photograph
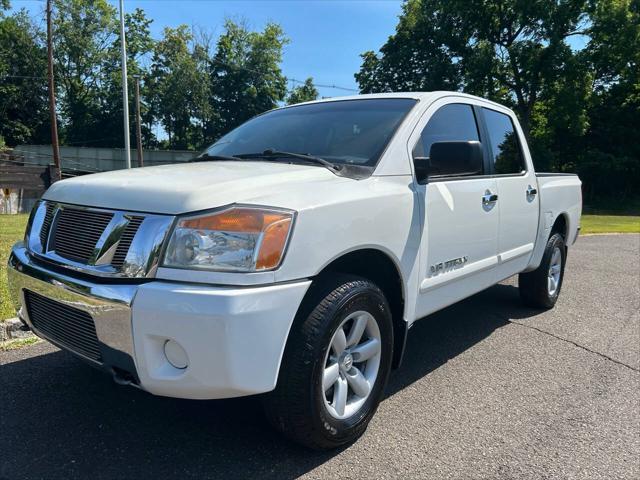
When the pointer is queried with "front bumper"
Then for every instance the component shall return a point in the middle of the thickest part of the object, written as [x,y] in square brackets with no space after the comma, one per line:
[233,337]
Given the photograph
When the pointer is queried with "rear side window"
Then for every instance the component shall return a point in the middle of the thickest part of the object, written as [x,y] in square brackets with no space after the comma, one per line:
[452,123]
[505,144]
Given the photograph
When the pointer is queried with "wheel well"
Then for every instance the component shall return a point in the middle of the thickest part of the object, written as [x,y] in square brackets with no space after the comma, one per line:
[560,226]
[376,266]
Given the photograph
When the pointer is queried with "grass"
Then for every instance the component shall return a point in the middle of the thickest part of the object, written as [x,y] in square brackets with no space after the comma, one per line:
[610,224]
[18,343]
[11,230]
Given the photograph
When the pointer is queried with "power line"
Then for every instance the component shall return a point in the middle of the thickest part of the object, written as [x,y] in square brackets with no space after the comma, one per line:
[23,76]
[237,67]
[336,87]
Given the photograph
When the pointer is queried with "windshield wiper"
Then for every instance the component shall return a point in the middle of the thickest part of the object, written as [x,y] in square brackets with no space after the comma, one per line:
[205,157]
[271,153]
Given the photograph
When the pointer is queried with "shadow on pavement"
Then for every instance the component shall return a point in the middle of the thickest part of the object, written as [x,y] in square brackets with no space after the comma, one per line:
[62,419]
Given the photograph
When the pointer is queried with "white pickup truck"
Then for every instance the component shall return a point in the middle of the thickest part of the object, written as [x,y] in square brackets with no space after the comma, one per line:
[292,257]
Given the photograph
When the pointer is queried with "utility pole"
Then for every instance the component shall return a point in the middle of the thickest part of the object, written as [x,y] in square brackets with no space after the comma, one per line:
[138,121]
[52,94]
[125,92]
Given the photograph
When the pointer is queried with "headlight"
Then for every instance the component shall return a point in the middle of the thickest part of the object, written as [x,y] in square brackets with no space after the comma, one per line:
[241,239]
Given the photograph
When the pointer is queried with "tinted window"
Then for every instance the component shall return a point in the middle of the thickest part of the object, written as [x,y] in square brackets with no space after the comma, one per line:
[350,131]
[454,122]
[505,145]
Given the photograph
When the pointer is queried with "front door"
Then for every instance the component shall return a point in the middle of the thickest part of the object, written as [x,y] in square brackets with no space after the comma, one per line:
[459,238]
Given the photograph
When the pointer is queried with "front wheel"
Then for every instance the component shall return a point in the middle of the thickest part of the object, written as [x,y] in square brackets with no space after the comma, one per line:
[335,365]
[541,287]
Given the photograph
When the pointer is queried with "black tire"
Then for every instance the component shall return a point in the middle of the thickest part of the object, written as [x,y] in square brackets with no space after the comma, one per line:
[297,407]
[533,286]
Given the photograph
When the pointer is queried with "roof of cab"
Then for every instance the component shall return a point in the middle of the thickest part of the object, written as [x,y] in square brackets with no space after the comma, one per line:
[414,95]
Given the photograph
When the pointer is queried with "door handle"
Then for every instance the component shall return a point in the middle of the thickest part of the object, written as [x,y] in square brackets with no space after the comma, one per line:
[531,192]
[489,198]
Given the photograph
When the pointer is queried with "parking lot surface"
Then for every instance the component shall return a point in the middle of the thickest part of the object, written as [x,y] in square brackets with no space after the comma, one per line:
[488,389]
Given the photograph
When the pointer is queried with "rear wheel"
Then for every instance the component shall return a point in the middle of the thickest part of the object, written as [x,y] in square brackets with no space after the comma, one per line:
[335,366]
[541,287]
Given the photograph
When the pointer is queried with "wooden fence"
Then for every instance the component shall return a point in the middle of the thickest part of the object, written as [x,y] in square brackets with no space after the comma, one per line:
[23,177]
[22,185]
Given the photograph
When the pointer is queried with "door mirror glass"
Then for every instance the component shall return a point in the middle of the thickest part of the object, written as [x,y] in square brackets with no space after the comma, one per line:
[454,159]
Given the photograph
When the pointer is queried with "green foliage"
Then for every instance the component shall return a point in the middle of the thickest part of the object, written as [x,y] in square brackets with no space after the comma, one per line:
[579,108]
[193,91]
[139,45]
[303,93]
[88,68]
[610,157]
[11,231]
[178,86]
[246,78]
[198,96]
[23,93]
[83,34]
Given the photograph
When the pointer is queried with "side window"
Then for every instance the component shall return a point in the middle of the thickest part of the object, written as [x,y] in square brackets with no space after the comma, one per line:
[505,144]
[451,123]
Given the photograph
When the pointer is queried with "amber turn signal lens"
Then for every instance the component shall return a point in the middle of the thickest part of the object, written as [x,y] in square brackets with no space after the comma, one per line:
[245,220]
[273,242]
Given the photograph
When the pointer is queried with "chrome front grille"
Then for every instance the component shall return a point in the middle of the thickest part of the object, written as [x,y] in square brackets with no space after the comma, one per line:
[98,241]
[126,238]
[76,233]
[46,223]
[67,326]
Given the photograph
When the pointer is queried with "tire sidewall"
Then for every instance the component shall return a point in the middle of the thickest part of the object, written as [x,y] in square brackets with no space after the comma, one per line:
[556,241]
[368,298]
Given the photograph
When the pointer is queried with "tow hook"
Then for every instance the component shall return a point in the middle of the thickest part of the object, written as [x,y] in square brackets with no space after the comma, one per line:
[122,377]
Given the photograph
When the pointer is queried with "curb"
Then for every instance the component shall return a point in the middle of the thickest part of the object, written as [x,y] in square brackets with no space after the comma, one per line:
[12,329]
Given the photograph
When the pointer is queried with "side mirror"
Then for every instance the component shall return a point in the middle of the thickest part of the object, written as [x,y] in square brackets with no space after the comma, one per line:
[450,159]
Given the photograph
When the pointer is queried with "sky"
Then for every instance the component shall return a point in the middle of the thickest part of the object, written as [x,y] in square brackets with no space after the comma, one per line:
[326,36]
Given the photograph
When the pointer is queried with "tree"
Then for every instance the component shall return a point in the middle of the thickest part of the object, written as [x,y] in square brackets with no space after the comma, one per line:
[88,69]
[421,55]
[178,85]
[505,50]
[83,33]
[23,86]
[610,162]
[246,78]
[303,93]
[139,46]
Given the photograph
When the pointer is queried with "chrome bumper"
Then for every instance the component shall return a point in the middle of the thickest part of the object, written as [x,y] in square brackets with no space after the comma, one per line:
[108,304]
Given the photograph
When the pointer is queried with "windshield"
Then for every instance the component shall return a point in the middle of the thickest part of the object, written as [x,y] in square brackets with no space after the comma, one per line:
[353,132]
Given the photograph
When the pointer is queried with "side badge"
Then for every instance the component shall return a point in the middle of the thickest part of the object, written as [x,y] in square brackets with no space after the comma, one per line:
[449,265]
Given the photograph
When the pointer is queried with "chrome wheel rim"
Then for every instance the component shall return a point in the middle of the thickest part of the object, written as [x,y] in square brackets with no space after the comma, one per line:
[351,365]
[555,268]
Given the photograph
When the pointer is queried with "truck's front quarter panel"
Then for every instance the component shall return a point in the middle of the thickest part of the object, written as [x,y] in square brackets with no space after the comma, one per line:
[379,213]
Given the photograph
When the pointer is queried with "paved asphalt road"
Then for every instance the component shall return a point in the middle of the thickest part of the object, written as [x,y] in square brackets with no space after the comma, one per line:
[488,389]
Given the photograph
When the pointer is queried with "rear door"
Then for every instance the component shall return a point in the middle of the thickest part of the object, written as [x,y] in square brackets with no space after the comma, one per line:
[517,190]
[459,239]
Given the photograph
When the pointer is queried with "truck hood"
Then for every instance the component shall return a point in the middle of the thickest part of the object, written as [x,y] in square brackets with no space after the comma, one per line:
[190,187]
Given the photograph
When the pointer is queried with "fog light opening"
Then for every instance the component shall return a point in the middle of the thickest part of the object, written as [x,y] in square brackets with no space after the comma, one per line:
[175,354]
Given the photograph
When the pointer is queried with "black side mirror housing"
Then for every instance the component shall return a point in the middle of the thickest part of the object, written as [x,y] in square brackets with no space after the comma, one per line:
[450,159]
